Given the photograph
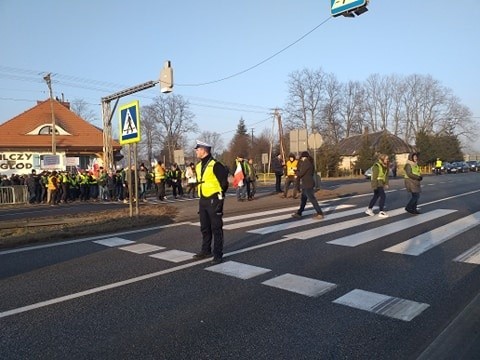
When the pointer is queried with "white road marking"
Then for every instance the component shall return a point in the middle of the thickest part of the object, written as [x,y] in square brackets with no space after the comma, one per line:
[151,275]
[300,285]
[364,237]
[114,241]
[471,256]
[99,289]
[322,230]
[175,256]
[428,240]
[90,238]
[255,214]
[142,248]
[302,222]
[238,270]
[385,305]
[282,217]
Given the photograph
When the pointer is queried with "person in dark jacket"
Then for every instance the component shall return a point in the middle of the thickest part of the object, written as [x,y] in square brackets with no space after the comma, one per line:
[412,183]
[278,168]
[305,175]
[32,183]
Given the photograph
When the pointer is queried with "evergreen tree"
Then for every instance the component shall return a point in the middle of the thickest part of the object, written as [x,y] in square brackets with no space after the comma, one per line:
[431,147]
[385,146]
[328,158]
[366,155]
[424,145]
[240,144]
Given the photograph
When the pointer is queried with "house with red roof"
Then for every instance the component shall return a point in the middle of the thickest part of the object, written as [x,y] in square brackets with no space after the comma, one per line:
[26,140]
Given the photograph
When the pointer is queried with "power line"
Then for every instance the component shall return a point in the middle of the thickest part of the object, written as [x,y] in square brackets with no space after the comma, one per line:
[261,62]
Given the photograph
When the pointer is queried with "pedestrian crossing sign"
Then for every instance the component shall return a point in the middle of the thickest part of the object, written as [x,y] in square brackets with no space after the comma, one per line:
[130,123]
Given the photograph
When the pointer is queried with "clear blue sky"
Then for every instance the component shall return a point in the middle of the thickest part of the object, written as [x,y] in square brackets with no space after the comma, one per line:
[95,48]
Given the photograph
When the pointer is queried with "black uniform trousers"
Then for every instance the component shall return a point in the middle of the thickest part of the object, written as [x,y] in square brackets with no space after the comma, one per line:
[211,225]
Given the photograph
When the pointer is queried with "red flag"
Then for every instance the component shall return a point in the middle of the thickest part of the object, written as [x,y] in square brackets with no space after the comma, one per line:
[238,176]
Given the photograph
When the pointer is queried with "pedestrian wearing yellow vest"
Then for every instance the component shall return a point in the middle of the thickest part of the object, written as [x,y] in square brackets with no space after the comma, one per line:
[413,177]
[159,179]
[212,178]
[379,185]
[52,188]
[291,176]
[438,167]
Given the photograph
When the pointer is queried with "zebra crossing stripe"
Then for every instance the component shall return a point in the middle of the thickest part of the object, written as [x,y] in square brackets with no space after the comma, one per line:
[282,217]
[382,231]
[385,305]
[114,241]
[142,248]
[298,223]
[471,256]
[254,215]
[174,256]
[300,285]
[426,241]
[238,270]
[322,230]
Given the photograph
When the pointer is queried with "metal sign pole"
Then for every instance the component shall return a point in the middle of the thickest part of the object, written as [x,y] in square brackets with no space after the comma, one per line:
[136,177]
[129,180]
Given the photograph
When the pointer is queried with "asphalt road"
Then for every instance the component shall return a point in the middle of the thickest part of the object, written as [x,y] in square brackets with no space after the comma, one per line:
[347,287]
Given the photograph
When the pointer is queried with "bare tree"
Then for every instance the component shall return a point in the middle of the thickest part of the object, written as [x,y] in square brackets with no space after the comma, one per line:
[174,120]
[82,109]
[372,101]
[332,128]
[215,139]
[351,108]
[306,90]
[150,145]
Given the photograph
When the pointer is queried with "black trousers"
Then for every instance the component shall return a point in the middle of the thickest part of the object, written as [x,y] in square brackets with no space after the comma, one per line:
[211,225]
[278,183]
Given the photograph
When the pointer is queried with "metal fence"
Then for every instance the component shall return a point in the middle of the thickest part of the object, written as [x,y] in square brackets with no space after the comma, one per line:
[16,194]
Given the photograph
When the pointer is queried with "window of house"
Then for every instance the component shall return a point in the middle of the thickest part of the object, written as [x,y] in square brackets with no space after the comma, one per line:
[46,130]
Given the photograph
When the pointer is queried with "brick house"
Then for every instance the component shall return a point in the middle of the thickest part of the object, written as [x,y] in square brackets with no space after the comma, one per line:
[350,147]
[26,140]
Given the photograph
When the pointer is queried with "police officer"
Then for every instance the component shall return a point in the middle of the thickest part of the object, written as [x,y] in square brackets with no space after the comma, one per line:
[212,179]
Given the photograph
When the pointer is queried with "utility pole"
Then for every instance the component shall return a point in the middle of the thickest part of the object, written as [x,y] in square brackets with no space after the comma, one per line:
[280,133]
[48,80]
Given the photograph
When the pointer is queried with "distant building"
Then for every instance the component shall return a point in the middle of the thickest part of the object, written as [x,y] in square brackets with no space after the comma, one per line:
[26,141]
[350,147]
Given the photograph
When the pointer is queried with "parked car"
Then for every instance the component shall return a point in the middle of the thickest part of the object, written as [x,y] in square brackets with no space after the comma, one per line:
[446,166]
[368,173]
[459,167]
[473,165]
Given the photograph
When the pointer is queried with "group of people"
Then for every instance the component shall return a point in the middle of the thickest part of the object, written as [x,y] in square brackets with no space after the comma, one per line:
[212,182]
[244,178]
[55,187]
[174,177]
[379,182]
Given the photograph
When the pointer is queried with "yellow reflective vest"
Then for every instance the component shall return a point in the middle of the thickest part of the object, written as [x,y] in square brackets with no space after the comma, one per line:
[292,167]
[415,171]
[208,183]
[159,173]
